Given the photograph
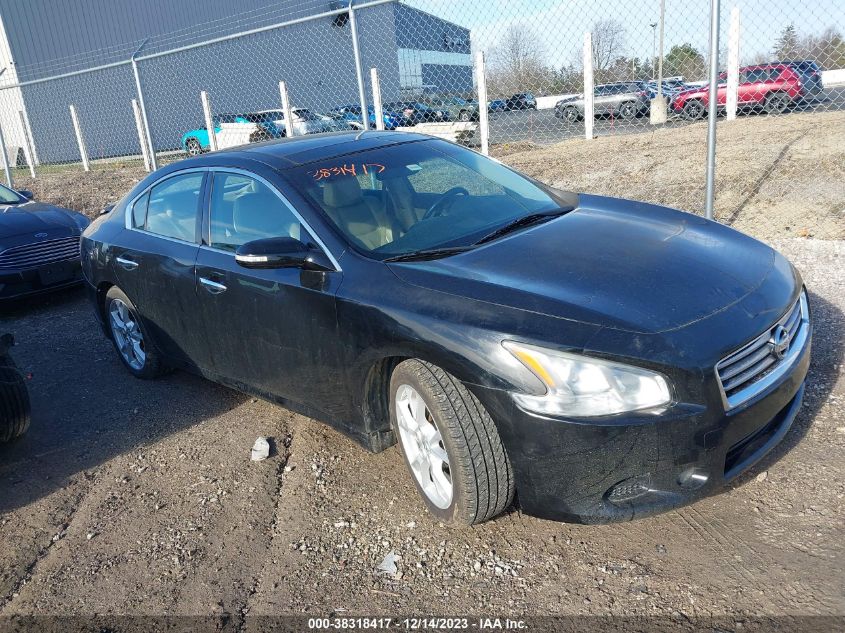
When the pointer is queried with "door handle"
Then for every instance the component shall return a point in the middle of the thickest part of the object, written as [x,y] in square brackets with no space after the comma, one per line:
[213,287]
[128,264]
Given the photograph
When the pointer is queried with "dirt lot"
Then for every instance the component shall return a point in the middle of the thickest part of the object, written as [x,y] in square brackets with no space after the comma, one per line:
[134,497]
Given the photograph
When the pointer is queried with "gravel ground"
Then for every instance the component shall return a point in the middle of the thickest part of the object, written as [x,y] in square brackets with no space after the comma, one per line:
[134,497]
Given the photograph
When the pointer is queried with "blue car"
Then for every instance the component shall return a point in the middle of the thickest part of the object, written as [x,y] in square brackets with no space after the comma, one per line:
[196,141]
[497,105]
[352,115]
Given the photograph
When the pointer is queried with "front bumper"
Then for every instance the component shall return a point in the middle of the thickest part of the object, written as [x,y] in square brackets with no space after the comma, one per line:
[30,281]
[618,469]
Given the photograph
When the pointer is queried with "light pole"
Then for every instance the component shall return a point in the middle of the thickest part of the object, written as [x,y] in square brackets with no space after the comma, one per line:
[653,26]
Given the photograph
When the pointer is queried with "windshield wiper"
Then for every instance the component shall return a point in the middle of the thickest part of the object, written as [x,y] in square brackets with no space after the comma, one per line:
[428,253]
[524,221]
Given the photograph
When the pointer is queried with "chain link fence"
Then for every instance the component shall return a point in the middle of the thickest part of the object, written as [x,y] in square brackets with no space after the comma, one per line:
[639,133]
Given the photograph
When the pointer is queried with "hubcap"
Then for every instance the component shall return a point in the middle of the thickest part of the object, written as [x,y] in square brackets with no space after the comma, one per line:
[423,446]
[193,148]
[127,334]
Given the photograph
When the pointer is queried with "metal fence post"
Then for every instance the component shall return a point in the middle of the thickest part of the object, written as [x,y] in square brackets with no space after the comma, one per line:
[286,109]
[589,106]
[713,110]
[359,72]
[139,127]
[31,137]
[27,149]
[483,114]
[143,107]
[377,109]
[83,151]
[209,121]
[5,159]
[732,97]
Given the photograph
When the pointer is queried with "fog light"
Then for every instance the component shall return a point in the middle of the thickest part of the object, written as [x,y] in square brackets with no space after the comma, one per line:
[630,489]
[692,478]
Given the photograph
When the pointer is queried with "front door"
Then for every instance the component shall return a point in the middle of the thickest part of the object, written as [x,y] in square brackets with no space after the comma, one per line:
[272,330]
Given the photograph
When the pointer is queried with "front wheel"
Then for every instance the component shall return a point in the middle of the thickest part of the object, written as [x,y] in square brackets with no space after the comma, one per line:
[693,110]
[464,116]
[572,114]
[450,445]
[193,147]
[128,336]
[627,110]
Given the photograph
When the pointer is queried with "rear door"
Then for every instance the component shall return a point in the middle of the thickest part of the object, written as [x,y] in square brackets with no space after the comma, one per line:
[155,266]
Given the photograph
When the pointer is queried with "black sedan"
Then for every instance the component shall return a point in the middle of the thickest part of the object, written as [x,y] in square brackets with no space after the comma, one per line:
[605,359]
[39,245]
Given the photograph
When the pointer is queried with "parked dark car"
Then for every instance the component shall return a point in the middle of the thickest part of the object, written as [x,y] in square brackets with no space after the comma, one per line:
[416,112]
[521,101]
[457,108]
[607,359]
[496,105]
[39,245]
[811,76]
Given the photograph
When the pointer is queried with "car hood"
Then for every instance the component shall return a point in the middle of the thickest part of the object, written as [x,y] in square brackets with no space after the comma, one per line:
[612,263]
[37,217]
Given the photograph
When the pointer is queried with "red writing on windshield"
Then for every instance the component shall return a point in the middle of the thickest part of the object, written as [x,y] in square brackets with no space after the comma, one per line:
[348,169]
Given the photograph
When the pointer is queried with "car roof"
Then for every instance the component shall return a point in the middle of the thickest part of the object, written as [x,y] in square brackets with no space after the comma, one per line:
[294,151]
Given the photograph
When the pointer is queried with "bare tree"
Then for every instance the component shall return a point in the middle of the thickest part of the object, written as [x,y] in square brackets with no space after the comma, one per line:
[517,61]
[609,45]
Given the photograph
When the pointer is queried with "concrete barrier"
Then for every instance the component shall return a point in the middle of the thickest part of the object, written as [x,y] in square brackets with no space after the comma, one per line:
[465,133]
[234,134]
[548,102]
[833,77]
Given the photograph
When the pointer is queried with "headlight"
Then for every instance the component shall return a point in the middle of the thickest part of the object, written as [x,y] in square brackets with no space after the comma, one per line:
[580,386]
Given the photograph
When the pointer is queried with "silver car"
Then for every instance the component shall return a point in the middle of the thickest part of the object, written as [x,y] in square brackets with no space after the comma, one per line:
[626,100]
[304,121]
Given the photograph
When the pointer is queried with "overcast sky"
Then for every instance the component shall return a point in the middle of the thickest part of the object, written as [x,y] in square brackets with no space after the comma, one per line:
[560,24]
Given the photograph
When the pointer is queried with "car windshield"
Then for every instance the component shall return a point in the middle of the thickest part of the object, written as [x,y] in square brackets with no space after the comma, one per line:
[7,196]
[418,196]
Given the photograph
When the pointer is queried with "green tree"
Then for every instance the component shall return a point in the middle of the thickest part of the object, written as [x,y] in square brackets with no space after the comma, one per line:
[686,61]
[787,46]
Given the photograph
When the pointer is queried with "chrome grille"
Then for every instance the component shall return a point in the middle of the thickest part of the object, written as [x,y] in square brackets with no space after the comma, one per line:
[40,253]
[740,374]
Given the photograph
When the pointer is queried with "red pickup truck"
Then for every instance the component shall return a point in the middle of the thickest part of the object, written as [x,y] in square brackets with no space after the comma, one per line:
[771,87]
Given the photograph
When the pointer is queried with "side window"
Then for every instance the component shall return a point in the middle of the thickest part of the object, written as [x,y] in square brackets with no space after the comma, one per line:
[172,208]
[244,209]
[139,211]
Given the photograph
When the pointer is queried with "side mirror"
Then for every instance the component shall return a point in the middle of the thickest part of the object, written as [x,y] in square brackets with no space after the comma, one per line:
[107,209]
[282,252]
[26,193]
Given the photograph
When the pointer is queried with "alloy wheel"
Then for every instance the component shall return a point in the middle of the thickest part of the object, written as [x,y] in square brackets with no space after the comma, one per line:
[423,446]
[193,146]
[127,334]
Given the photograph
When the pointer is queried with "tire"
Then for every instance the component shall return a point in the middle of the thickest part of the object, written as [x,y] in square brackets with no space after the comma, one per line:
[628,110]
[572,114]
[693,110]
[14,397]
[454,424]
[132,339]
[193,147]
[463,116]
[777,103]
